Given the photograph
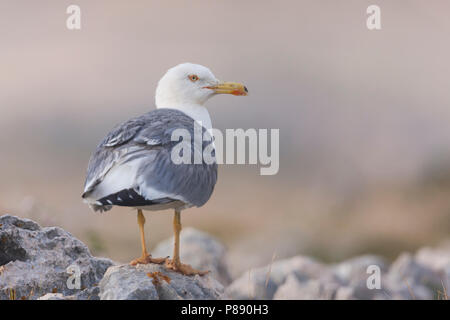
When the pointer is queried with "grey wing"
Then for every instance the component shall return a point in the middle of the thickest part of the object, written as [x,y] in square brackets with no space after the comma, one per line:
[143,146]
[109,152]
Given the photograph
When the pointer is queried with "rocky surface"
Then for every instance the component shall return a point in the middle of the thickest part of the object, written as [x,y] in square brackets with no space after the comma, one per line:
[34,264]
[424,275]
[34,261]
[262,283]
[201,250]
[155,282]
[56,296]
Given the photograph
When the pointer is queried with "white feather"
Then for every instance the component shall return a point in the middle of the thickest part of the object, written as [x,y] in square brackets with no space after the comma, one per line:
[124,176]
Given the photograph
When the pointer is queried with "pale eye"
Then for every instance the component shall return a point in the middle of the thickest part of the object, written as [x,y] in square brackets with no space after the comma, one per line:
[193,77]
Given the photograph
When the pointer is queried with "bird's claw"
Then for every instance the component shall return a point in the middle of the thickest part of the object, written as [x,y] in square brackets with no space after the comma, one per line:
[146,259]
[182,268]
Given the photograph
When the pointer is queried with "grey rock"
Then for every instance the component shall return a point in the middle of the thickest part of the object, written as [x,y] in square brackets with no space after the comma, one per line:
[262,283]
[406,272]
[438,260]
[395,284]
[34,261]
[294,289]
[353,275]
[304,278]
[396,290]
[345,293]
[291,289]
[56,296]
[140,282]
[91,293]
[354,269]
[199,249]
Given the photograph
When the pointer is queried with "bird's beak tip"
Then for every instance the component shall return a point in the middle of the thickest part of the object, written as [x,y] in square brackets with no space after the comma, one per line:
[234,88]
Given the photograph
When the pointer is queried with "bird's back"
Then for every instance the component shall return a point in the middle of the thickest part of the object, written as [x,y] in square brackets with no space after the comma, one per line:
[133,165]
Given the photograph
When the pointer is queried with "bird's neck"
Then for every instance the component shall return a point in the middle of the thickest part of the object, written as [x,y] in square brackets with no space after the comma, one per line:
[197,112]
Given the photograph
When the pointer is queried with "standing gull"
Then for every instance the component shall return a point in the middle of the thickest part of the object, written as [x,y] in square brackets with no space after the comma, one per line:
[133,167]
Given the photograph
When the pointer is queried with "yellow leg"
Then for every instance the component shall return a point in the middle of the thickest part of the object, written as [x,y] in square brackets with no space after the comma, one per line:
[175,263]
[176,231]
[146,257]
[141,223]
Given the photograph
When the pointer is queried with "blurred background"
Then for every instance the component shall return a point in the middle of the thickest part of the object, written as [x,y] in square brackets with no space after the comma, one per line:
[363,117]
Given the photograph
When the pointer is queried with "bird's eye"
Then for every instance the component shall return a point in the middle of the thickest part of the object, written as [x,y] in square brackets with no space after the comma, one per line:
[193,77]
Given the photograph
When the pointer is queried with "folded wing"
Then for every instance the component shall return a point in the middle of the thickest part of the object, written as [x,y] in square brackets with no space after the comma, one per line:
[132,166]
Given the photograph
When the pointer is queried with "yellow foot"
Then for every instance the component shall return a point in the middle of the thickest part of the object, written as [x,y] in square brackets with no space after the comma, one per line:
[147,259]
[182,268]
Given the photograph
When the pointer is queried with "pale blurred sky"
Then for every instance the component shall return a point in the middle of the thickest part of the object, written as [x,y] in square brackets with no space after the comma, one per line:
[376,102]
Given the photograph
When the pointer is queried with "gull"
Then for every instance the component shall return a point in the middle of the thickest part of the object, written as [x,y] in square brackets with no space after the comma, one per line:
[133,165]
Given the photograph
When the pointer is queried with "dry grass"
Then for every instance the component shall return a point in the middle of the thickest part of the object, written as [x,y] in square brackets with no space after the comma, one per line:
[442,295]
[411,292]
[274,256]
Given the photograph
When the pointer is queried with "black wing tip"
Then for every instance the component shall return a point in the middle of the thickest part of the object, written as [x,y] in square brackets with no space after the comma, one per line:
[129,198]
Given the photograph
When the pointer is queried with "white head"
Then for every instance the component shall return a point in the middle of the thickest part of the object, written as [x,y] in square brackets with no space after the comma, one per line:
[189,84]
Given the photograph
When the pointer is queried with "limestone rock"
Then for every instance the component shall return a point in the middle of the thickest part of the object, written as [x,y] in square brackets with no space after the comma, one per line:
[294,289]
[56,296]
[199,249]
[155,282]
[35,261]
[262,283]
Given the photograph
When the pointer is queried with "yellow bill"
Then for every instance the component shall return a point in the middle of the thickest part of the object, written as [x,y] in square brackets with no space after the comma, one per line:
[233,88]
